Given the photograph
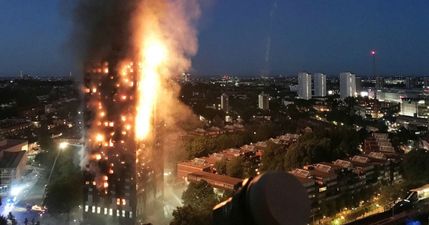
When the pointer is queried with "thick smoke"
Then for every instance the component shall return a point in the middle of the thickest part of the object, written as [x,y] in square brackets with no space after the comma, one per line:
[102,29]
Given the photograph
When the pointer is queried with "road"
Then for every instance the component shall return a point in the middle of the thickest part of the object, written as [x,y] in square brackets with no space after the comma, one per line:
[24,194]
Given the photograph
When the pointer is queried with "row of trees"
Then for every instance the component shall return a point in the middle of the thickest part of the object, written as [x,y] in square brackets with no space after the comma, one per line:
[313,147]
[239,167]
[199,146]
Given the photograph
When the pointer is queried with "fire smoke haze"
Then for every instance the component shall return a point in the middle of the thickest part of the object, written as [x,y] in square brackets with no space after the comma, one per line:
[112,28]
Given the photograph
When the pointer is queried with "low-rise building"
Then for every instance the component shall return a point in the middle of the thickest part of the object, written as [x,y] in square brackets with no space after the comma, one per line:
[195,165]
[13,160]
[378,142]
[216,180]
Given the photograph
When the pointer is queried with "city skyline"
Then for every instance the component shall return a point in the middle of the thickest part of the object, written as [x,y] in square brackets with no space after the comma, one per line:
[283,42]
[205,112]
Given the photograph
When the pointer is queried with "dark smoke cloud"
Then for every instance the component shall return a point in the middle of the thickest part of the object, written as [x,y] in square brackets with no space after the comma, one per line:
[102,29]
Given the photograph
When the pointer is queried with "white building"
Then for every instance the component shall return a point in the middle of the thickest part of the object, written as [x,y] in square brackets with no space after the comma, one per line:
[263,101]
[224,102]
[13,161]
[347,85]
[319,84]
[414,107]
[304,86]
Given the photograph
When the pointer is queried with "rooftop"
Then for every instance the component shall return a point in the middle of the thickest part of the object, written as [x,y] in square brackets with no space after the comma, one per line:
[8,143]
[11,159]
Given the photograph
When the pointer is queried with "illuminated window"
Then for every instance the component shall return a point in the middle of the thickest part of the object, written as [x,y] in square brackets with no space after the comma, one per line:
[123,213]
[117,213]
[131,214]
[93,209]
[105,211]
[86,208]
[110,212]
[98,210]
[322,189]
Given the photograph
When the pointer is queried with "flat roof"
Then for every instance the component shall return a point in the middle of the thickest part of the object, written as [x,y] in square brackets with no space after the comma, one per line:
[212,177]
[8,143]
[11,159]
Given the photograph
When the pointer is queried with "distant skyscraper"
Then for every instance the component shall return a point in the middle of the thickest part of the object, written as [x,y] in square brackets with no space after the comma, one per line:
[263,101]
[347,85]
[426,82]
[224,102]
[304,86]
[409,82]
[379,83]
[358,84]
[319,84]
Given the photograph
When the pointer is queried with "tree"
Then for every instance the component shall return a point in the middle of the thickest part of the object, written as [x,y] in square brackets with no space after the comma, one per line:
[309,149]
[390,193]
[199,195]
[416,167]
[64,194]
[198,200]
[188,215]
[221,166]
[322,145]
[3,220]
[273,157]
[234,167]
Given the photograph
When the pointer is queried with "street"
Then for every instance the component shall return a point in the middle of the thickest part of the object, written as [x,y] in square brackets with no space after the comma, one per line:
[24,197]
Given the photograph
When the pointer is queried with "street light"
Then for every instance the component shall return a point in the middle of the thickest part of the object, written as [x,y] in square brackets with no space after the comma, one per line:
[63,145]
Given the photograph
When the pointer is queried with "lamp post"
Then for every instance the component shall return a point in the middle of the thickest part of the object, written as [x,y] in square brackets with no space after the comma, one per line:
[61,147]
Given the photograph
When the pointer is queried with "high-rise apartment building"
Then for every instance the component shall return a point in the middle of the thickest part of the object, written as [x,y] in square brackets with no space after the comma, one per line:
[123,176]
[347,85]
[263,101]
[304,86]
[224,102]
[319,80]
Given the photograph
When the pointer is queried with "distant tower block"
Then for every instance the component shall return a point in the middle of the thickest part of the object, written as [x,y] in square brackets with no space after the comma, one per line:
[224,102]
[347,85]
[304,86]
[319,84]
[263,101]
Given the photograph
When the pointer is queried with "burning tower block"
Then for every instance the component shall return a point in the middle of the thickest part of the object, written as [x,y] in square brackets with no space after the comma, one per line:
[123,176]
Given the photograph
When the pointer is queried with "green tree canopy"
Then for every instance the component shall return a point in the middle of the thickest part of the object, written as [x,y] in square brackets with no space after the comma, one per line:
[234,167]
[64,194]
[273,157]
[188,215]
[199,195]
[221,166]
[198,200]
[322,145]
[416,167]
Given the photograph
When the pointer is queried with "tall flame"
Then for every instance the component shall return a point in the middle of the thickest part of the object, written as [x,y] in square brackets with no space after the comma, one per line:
[153,55]
[164,39]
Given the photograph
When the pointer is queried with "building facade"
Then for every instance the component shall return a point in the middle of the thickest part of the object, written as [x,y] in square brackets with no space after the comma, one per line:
[319,84]
[304,86]
[224,102]
[263,101]
[123,177]
[347,85]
